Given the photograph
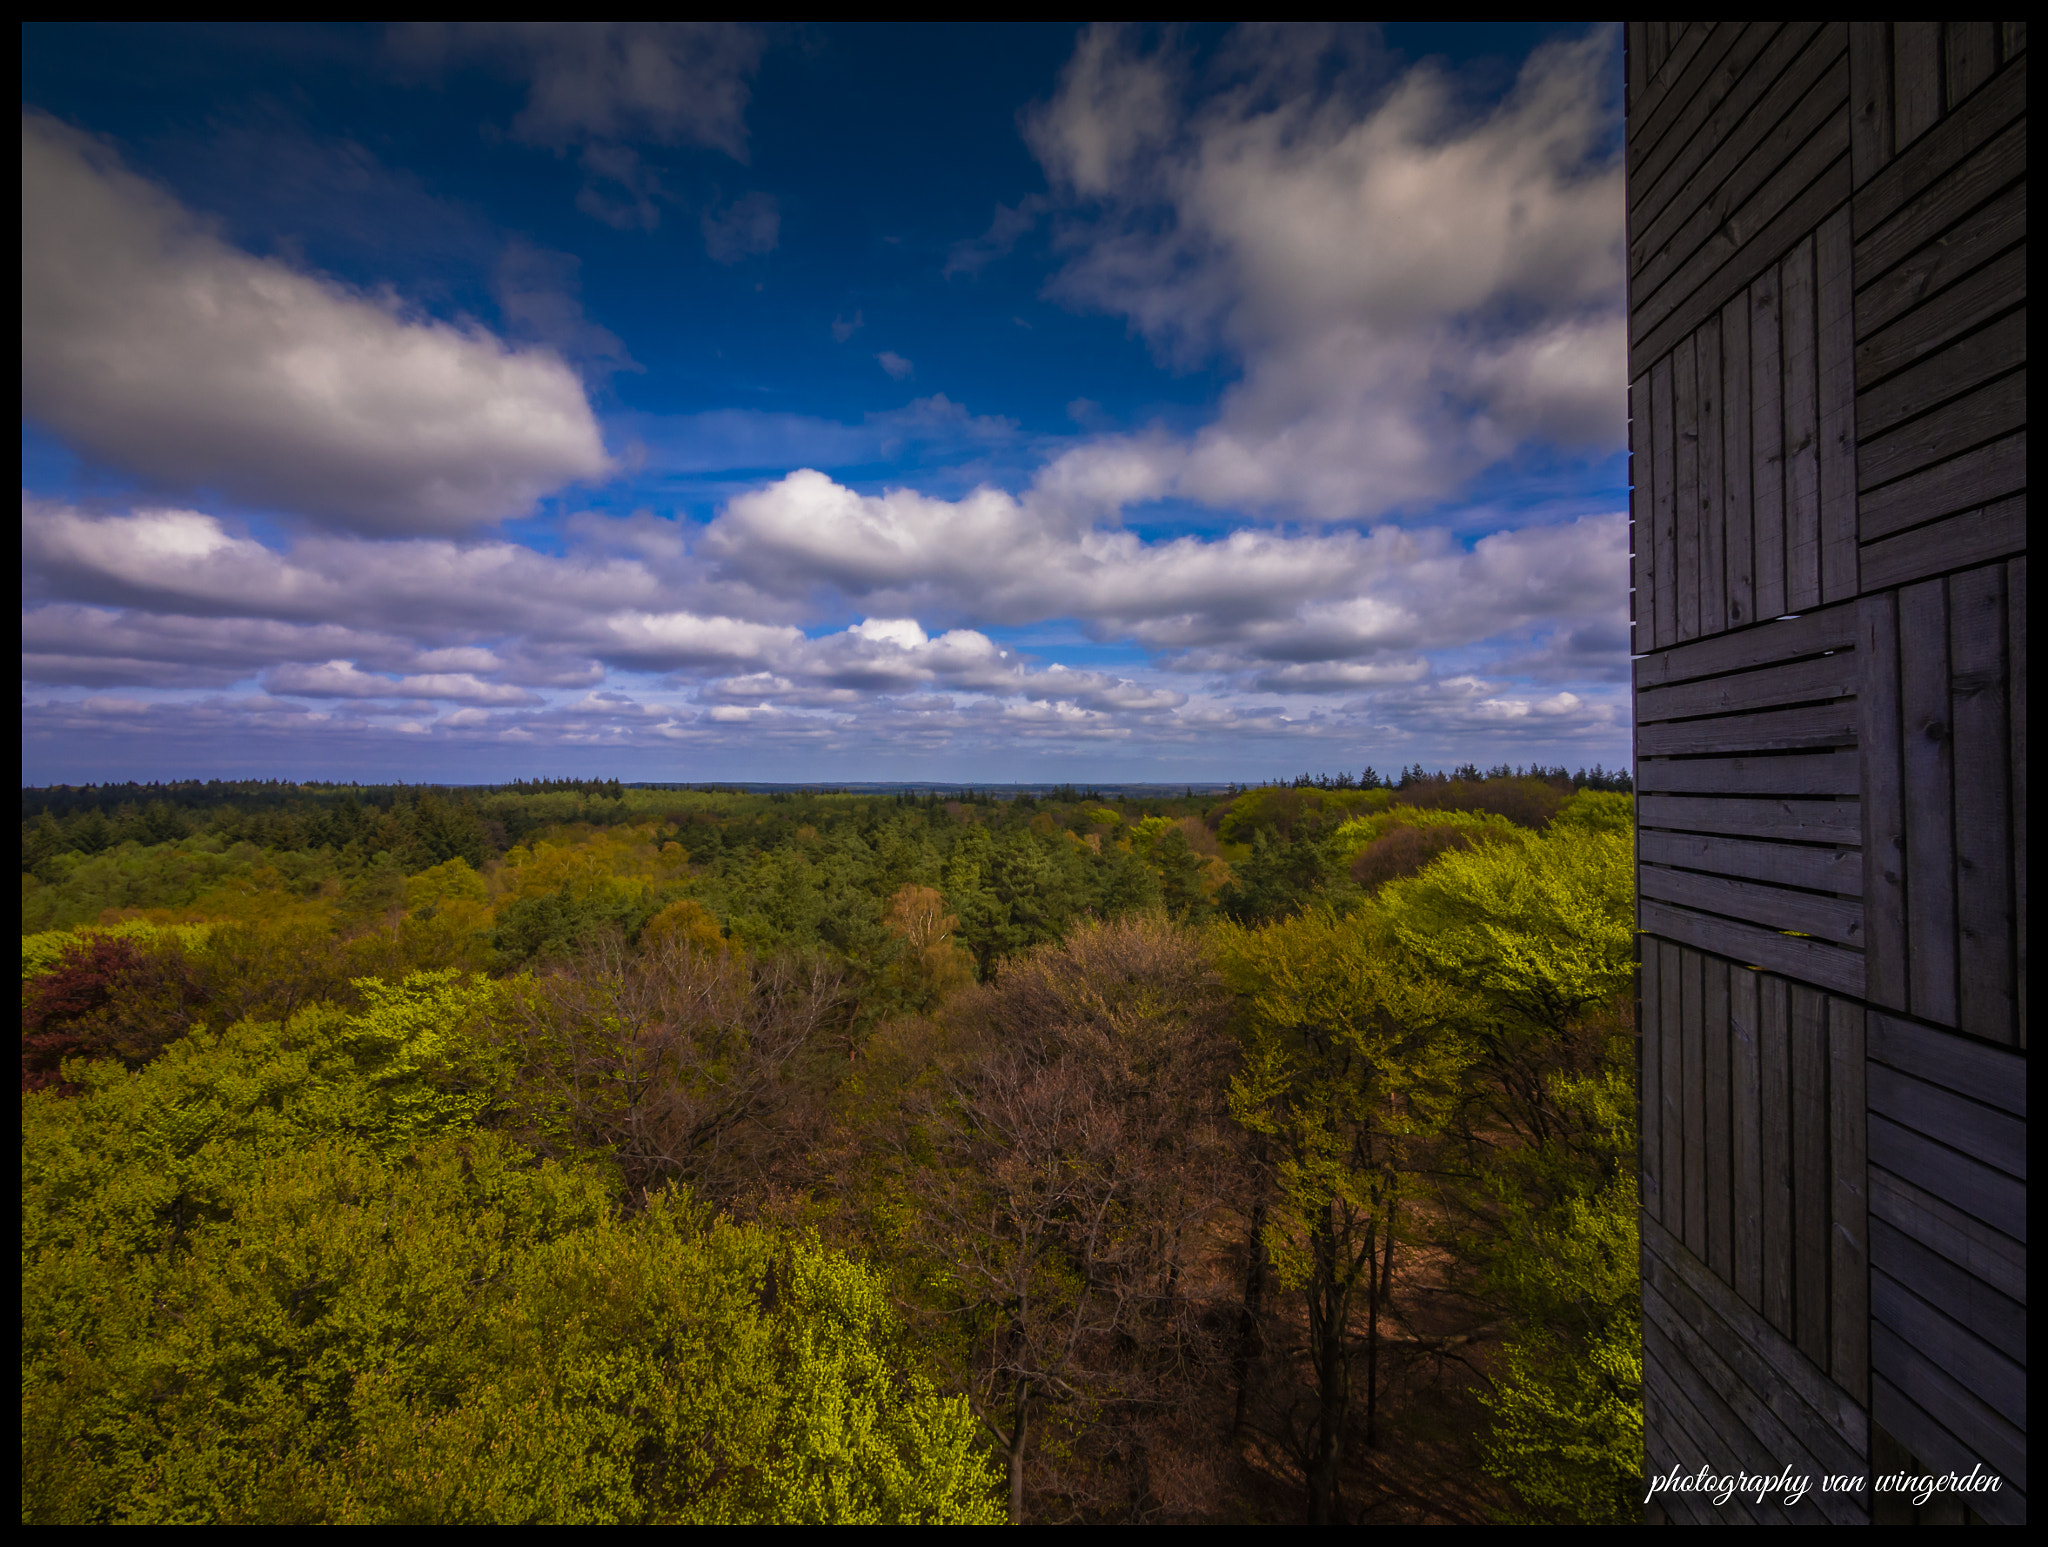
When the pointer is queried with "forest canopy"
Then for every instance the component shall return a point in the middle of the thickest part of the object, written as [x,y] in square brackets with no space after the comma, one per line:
[571,1150]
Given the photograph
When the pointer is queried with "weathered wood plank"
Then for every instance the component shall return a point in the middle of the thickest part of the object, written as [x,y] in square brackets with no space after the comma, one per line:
[1802,431]
[1685,504]
[1950,1233]
[1737,252]
[1739,538]
[1839,919]
[1774,1044]
[1935,183]
[2016,705]
[1848,1212]
[1789,773]
[1811,726]
[1666,152]
[1671,1068]
[1824,870]
[1789,821]
[1966,1299]
[1636,78]
[1916,72]
[1971,48]
[1960,542]
[1767,442]
[1716,1036]
[2015,39]
[1812,680]
[1746,1159]
[1712,501]
[1742,179]
[1811,1189]
[1871,137]
[1832,628]
[1984,477]
[1958,295]
[1884,827]
[1835,377]
[1996,408]
[1663,496]
[1720,1436]
[1932,1445]
[1810,960]
[1692,1041]
[1984,1192]
[1977,363]
[1988,1074]
[1983,836]
[1972,1127]
[1929,802]
[1983,1435]
[1650,1081]
[1825,1423]
[1642,519]
[1971,1363]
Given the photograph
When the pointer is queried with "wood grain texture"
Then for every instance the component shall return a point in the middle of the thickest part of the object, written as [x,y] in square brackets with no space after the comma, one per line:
[1916,76]
[1960,542]
[1712,1407]
[1848,1213]
[1739,535]
[1992,1075]
[1671,1069]
[1985,946]
[1933,1446]
[1771,643]
[1650,1066]
[1692,1039]
[1785,773]
[2016,707]
[1714,1023]
[1839,919]
[1824,870]
[1929,802]
[1810,960]
[1810,727]
[1835,381]
[1984,477]
[1791,821]
[1800,363]
[1928,187]
[1991,1385]
[1981,1191]
[1642,518]
[1971,54]
[1942,293]
[1666,155]
[1971,363]
[1982,414]
[1685,504]
[1775,1066]
[1883,807]
[1871,135]
[1663,501]
[1767,443]
[1959,1294]
[1746,1158]
[1973,1128]
[1811,1190]
[1807,681]
[1950,1233]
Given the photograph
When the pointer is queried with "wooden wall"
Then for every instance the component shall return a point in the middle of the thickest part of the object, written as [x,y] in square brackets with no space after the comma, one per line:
[1827,360]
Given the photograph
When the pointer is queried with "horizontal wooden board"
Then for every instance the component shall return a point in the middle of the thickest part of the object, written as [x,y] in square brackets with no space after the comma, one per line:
[1968,364]
[1962,162]
[1954,1236]
[1820,870]
[1666,150]
[1981,1191]
[1982,477]
[1809,681]
[1996,1138]
[1786,773]
[1839,919]
[1810,961]
[1983,1371]
[1770,642]
[1997,531]
[1814,725]
[1788,821]
[1982,414]
[1986,1434]
[1934,1447]
[1988,1074]
[1917,327]
[1960,1295]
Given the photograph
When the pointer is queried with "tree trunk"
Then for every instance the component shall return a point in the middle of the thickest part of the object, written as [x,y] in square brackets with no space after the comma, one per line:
[1328,1311]
[1017,1443]
[1249,1313]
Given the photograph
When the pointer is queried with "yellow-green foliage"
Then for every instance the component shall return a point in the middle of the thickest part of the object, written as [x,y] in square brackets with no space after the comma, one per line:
[1600,811]
[1280,808]
[1483,826]
[42,951]
[279,1275]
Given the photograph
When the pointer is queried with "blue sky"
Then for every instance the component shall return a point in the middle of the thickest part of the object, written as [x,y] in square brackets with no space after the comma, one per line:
[708,402]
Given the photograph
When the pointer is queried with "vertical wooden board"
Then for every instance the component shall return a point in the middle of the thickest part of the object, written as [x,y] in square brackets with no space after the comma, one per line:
[1916,78]
[1650,1083]
[1977,715]
[1849,1233]
[1636,45]
[1884,831]
[1802,432]
[2016,695]
[1870,98]
[1712,502]
[1663,472]
[1767,446]
[1642,521]
[1714,1023]
[1746,1162]
[2015,38]
[1775,1055]
[1737,539]
[1835,326]
[1685,503]
[1659,40]
[1971,48]
[1695,1093]
[1671,1067]
[1811,1189]
[1928,801]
